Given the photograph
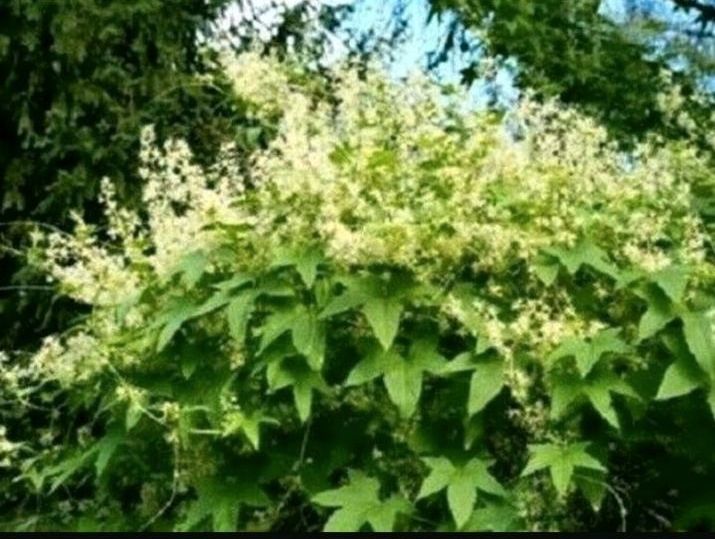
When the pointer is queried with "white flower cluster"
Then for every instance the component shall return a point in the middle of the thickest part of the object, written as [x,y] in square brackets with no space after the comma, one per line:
[8,449]
[392,174]
[73,360]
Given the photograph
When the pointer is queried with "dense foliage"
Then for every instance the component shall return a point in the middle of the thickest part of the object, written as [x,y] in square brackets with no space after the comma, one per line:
[612,67]
[404,315]
[79,80]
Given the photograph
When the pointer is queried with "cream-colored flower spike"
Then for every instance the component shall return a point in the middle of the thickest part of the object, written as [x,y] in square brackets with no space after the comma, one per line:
[394,173]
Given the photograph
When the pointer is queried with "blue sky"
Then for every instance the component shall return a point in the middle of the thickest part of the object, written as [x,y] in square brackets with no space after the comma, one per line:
[421,37]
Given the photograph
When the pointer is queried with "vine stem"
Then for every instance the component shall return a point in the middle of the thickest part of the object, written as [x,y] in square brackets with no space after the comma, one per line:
[616,496]
[25,287]
[304,443]
[174,490]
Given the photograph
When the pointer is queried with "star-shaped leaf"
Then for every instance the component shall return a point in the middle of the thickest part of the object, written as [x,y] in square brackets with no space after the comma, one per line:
[561,461]
[546,272]
[402,376]
[359,503]
[699,336]
[381,301]
[238,313]
[685,374]
[288,372]
[659,313]
[461,482]
[585,252]
[596,389]
[307,331]
[587,352]
[247,424]
[383,315]
[495,517]
[309,337]
[673,281]
[305,261]
[486,382]
[219,500]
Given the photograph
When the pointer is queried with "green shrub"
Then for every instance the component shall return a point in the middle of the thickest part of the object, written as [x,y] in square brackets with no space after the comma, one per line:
[403,316]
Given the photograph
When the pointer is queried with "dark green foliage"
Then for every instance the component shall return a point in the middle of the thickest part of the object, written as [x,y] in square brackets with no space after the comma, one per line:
[572,51]
[79,80]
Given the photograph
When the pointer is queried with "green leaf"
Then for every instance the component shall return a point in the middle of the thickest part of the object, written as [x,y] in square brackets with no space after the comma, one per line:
[383,315]
[309,338]
[599,394]
[441,472]
[219,500]
[248,424]
[565,390]
[486,383]
[345,520]
[381,301]
[402,376]
[372,366]
[588,352]
[106,447]
[237,281]
[462,484]
[561,473]
[305,261]
[546,273]
[423,354]
[477,470]
[495,517]
[307,331]
[681,377]
[382,518]
[192,267]
[276,324]
[605,341]
[658,314]
[172,320]
[699,336]
[219,299]
[460,363]
[303,380]
[189,359]
[134,414]
[303,397]
[571,347]
[584,253]
[592,485]
[251,428]
[404,385]
[349,299]
[461,497]
[65,469]
[307,265]
[359,503]
[561,460]
[238,313]
[672,280]
[597,389]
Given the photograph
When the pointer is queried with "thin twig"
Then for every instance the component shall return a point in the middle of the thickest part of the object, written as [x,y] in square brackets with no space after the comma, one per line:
[616,496]
[174,489]
[26,287]
[304,443]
